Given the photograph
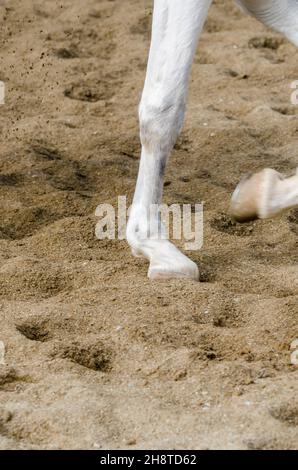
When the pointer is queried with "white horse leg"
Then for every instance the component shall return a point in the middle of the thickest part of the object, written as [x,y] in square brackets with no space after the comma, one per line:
[263,195]
[176,28]
[268,193]
[281,15]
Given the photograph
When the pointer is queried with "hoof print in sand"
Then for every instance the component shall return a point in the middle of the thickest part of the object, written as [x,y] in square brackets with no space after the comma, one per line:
[11,179]
[268,444]
[34,330]
[286,413]
[207,273]
[7,375]
[5,417]
[224,223]
[285,110]
[66,53]
[265,42]
[45,152]
[94,356]
[90,92]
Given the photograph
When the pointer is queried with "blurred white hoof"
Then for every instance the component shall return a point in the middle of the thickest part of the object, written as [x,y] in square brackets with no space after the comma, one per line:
[256,196]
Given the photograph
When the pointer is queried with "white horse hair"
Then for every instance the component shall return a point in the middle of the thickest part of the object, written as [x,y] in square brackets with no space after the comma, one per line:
[177,25]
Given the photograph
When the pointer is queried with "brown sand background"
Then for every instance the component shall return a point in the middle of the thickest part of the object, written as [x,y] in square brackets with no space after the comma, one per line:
[97,356]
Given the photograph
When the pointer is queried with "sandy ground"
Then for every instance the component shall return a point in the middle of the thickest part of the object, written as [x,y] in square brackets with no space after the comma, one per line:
[97,356]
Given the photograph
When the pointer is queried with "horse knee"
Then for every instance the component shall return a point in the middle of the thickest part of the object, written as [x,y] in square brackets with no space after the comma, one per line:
[161,120]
